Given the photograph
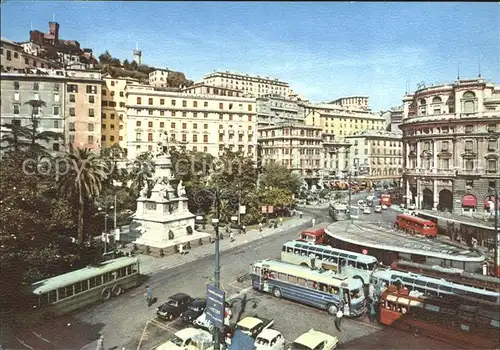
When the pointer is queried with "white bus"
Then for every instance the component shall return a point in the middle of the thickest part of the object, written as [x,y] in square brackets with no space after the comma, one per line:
[343,262]
[73,290]
[434,287]
[321,289]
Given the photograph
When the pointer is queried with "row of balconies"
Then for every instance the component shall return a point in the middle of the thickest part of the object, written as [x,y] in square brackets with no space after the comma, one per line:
[437,172]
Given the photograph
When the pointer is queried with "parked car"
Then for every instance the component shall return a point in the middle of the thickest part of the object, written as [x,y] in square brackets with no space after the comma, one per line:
[194,310]
[181,339]
[367,210]
[377,209]
[174,306]
[270,339]
[252,326]
[384,207]
[313,340]
[412,207]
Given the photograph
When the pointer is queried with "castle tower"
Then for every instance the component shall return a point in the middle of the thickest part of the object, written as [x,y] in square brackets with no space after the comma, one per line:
[137,54]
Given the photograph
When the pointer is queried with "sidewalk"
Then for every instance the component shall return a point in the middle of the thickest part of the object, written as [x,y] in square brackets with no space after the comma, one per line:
[150,264]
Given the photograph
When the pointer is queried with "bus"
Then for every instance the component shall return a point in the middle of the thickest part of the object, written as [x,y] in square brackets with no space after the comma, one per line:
[313,236]
[338,211]
[71,291]
[319,288]
[417,225]
[436,287]
[385,199]
[436,318]
[343,262]
[450,274]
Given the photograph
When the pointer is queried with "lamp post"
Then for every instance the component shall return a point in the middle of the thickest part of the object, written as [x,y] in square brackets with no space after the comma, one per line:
[106,223]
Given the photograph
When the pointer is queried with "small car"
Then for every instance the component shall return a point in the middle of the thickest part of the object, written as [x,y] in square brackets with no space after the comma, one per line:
[194,310]
[313,340]
[384,207]
[366,210]
[412,207]
[181,339]
[377,209]
[270,339]
[174,306]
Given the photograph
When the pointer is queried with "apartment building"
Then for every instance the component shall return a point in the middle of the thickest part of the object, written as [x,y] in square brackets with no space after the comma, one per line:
[158,78]
[354,102]
[83,108]
[451,145]
[14,59]
[340,120]
[114,111]
[253,85]
[298,147]
[201,88]
[376,156]
[198,122]
[273,109]
[72,104]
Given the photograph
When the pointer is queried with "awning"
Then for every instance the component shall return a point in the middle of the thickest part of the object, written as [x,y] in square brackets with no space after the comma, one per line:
[469,201]
[492,199]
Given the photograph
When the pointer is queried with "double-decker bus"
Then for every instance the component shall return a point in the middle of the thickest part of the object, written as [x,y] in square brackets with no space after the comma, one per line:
[74,290]
[431,286]
[343,262]
[450,322]
[416,225]
[319,288]
[450,274]
[338,211]
[385,199]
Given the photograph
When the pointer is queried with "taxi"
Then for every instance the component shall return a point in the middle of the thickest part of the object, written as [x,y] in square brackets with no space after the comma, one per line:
[315,340]
[181,339]
[270,339]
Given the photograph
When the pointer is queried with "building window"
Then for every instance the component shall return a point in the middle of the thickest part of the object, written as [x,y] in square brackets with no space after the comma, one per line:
[468,146]
[16,85]
[492,166]
[138,136]
[162,101]
[184,126]
[91,89]
[162,113]
[184,137]
[172,125]
[445,164]
[91,99]
[173,102]
[150,124]
[112,83]
[162,124]
[103,127]
[205,138]
[150,137]
[90,127]
[72,112]
[36,86]
[72,98]
[150,101]
[195,103]
[112,126]
[71,126]
[249,108]
[492,145]
[205,115]
[122,94]
[221,117]
[195,138]
[172,113]
[469,129]
[195,115]
[90,139]
[221,138]
[492,128]
[221,105]
[138,123]
[72,88]
[16,109]
[184,103]
[139,100]
[444,146]
[195,126]
[91,112]
[184,114]
[56,110]
[205,104]
[469,165]
[150,112]
[111,138]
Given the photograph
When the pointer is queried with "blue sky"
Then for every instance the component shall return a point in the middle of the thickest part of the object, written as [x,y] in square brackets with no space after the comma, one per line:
[324,50]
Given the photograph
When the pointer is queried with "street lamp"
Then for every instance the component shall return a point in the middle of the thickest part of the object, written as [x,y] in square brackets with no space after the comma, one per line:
[106,223]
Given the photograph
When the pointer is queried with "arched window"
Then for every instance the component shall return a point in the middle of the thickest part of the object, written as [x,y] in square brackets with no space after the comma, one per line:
[469,94]
[423,102]
[436,99]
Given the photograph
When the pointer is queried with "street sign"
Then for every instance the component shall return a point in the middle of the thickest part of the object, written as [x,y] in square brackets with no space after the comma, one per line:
[365,251]
[264,209]
[215,306]
[243,209]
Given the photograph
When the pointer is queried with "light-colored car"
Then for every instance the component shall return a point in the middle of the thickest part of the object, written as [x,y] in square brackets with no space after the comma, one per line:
[313,340]
[378,209]
[204,323]
[181,339]
[384,207]
[270,339]
[253,326]
[412,207]
[366,210]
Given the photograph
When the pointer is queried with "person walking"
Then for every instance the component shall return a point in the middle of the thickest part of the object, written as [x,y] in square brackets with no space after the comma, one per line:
[231,236]
[281,221]
[149,295]
[260,228]
[313,222]
[372,315]
[338,319]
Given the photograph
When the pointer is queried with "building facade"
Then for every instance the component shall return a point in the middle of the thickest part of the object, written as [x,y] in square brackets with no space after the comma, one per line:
[198,122]
[273,109]
[354,102]
[253,85]
[451,145]
[376,157]
[114,111]
[14,59]
[158,78]
[297,147]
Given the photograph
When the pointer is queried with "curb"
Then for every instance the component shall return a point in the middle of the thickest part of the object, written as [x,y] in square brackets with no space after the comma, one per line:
[300,226]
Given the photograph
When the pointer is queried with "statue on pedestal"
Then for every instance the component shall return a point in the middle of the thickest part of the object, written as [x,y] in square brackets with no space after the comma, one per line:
[162,145]
[181,190]
[144,190]
[164,188]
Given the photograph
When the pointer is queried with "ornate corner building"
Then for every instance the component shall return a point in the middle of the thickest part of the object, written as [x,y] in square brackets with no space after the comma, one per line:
[451,145]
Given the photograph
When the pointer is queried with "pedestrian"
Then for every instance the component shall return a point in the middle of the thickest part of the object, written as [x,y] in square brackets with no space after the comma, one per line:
[231,236]
[260,227]
[372,315]
[149,295]
[281,221]
[100,343]
[313,222]
[300,214]
[338,319]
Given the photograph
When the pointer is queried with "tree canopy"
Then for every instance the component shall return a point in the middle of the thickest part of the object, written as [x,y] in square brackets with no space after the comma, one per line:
[278,176]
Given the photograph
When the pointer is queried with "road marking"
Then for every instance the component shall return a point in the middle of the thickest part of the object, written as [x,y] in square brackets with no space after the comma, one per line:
[233,286]
[40,336]
[24,344]
[143,336]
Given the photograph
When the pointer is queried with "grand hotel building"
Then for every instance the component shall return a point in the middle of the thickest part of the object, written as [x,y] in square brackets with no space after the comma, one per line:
[451,145]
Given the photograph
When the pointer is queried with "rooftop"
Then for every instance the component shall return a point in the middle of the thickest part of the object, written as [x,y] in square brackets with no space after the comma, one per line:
[384,236]
[375,133]
[465,219]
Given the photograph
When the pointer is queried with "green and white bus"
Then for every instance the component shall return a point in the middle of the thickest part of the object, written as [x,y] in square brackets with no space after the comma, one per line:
[74,290]
[322,289]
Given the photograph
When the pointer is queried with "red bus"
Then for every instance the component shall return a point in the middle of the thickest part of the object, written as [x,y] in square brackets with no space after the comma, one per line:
[313,236]
[464,326]
[415,224]
[385,199]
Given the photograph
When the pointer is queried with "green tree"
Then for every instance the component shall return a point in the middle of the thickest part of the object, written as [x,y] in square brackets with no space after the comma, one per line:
[278,176]
[83,180]
[105,58]
[277,197]
[133,65]
[126,64]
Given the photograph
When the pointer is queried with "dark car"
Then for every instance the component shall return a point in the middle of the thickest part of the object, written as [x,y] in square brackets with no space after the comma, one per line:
[194,310]
[174,306]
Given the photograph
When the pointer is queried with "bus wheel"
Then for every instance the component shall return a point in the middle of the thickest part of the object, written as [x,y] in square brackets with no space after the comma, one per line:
[304,264]
[277,292]
[332,309]
[106,294]
[117,289]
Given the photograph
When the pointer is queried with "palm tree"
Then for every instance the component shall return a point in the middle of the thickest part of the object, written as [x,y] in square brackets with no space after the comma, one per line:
[141,171]
[84,178]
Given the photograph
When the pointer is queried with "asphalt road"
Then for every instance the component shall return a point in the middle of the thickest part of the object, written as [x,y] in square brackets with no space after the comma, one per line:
[128,321]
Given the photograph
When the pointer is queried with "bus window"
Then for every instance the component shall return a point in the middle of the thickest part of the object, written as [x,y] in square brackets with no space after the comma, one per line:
[301,281]
[334,260]
[420,283]
[52,296]
[323,287]
[289,250]
[78,287]
[69,291]
[44,299]
[355,294]
[407,280]
[447,311]
[432,285]
[282,276]
[362,266]
[85,285]
[292,279]
[92,283]
[297,251]
[98,281]
[334,290]
[284,249]
[319,257]
[105,278]
[374,280]
[61,293]
[135,268]
[351,263]
[445,288]
[129,270]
